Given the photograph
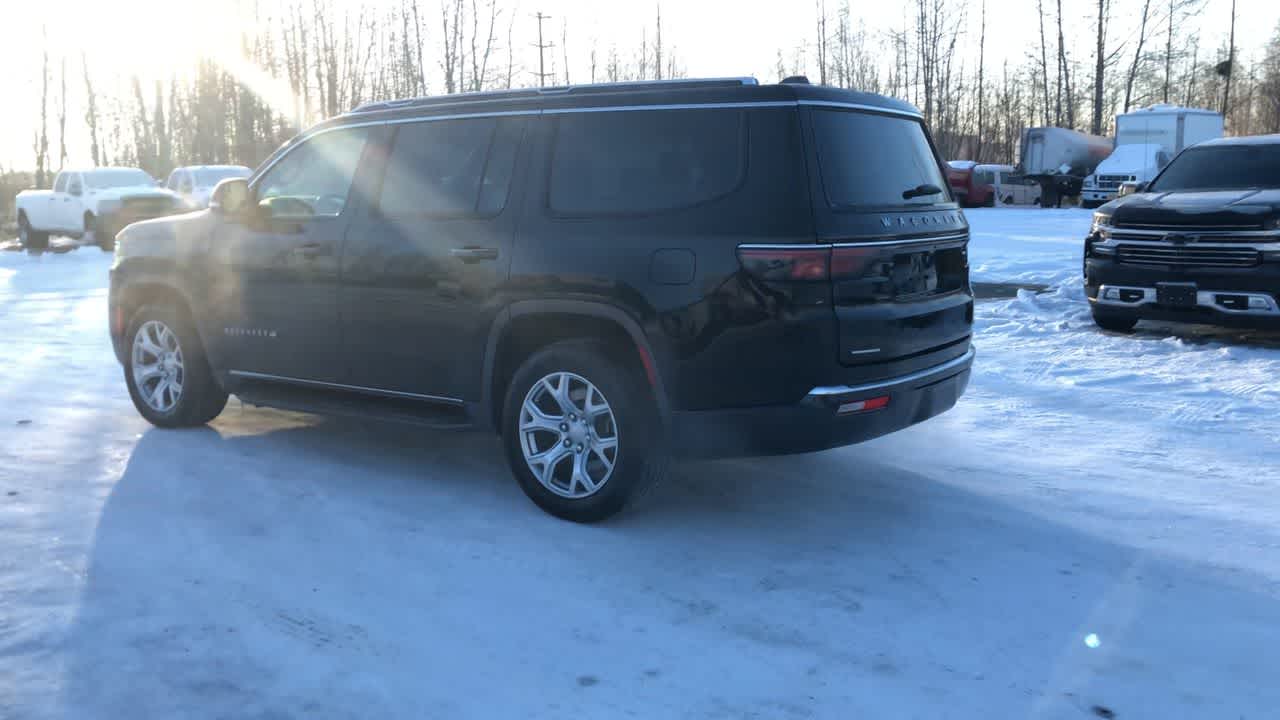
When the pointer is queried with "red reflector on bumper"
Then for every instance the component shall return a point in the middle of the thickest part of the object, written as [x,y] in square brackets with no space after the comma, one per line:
[875,403]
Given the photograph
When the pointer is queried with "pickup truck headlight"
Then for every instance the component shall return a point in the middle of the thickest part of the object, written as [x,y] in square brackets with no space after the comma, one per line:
[1101,223]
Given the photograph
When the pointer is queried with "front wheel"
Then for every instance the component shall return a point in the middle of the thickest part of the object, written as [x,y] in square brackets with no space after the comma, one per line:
[581,432]
[31,238]
[168,376]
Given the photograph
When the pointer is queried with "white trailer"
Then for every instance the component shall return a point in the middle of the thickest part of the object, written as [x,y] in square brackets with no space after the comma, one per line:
[1146,140]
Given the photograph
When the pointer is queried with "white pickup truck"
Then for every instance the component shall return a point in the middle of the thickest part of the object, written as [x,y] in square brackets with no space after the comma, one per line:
[100,201]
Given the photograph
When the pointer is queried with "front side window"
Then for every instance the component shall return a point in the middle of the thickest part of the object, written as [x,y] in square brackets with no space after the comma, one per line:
[450,167]
[172,182]
[870,160]
[635,162]
[1222,167]
[314,179]
[60,184]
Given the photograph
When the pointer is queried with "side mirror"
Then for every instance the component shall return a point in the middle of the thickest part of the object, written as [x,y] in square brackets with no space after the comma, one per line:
[231,196]
[1130,188]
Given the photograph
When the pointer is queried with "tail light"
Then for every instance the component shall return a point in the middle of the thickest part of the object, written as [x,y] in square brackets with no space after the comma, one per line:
[806,264]
[796,264]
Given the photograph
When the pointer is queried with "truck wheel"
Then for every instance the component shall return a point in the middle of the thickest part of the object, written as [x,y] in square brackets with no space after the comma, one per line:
[168,375]
[581,432]
[1114,322]
[31,239]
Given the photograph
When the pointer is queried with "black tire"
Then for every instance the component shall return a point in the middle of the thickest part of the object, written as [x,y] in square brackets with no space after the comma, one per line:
[1114,322]
[641,457]
[31,238]
[101,236]
[201,398]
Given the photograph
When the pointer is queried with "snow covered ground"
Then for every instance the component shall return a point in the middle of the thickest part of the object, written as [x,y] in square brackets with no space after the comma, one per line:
[1094,528]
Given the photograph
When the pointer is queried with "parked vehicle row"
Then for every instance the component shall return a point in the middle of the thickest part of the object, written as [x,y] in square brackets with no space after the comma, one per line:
[102,201]
[606,275]
[975,185]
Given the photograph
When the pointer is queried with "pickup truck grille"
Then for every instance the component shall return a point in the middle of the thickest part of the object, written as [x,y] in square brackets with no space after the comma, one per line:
[1112,182]
[147,206]
[1187,256]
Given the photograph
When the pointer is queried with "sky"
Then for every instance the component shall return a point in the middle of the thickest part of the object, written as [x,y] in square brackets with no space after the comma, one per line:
[154,38]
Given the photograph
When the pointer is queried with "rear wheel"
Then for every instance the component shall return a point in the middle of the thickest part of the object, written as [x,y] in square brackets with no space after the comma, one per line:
[168,376]
[31,238]
[1114,322]
[581,432]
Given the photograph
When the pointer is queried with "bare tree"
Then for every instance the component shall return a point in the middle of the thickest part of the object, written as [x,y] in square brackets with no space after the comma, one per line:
[1137,56]
[1100,68]
[1064,77]
[480,54]
[982,61]
[91,112]
[564,48]
[822,41]
[1231,61]
[41,145]
[1044,61]
[62,114]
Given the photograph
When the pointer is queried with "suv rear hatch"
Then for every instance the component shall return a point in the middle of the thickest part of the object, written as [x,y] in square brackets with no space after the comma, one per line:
[899,246]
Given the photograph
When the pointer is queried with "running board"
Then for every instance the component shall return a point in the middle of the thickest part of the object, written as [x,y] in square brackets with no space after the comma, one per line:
[321,401]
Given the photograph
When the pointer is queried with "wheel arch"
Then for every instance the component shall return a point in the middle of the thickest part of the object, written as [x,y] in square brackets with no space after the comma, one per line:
[147,287]
[525,326]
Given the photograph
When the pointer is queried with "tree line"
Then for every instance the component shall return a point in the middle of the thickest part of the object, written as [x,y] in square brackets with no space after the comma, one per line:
[299,61]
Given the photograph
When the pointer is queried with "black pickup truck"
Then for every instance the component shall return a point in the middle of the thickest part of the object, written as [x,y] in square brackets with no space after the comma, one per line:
[1200,243]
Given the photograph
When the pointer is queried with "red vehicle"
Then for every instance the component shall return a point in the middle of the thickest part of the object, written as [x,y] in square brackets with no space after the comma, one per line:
[971,188]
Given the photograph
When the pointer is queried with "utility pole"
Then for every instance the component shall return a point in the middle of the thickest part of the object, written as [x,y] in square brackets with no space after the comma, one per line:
[542,48]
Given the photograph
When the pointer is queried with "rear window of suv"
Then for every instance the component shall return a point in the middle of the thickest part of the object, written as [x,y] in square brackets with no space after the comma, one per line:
[870,160]
[645,161]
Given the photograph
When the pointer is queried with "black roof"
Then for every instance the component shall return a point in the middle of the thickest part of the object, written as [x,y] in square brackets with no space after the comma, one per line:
[639,94]
[1242,140]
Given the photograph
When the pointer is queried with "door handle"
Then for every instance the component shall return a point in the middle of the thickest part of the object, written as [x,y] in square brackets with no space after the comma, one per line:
[312,250]
[474,254]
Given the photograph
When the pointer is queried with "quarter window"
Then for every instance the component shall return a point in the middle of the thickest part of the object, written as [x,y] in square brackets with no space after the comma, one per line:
[450,167]
[314,180]
[635,162]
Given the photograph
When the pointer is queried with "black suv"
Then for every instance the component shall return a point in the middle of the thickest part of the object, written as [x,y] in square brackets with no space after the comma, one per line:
[1200,244]
[608,276]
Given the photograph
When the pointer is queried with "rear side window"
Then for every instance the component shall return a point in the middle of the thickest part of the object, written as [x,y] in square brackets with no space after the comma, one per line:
[872,160]
[450,167]
[638,162]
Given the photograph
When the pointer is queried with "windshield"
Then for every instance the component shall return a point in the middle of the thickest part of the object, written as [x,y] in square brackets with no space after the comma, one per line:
[1223,167]
[116,178]
[876,161]
[208,177]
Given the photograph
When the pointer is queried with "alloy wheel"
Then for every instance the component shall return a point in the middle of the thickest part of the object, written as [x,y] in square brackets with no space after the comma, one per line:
[158,371]
[568,435]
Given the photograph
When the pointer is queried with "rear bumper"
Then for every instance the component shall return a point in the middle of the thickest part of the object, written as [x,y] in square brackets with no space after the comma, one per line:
[817,421]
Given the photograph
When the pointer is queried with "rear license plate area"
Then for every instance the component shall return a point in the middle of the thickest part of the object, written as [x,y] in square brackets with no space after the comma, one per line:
[1176,295]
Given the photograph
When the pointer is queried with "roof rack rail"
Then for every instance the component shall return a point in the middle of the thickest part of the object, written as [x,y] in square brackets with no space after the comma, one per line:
[487,95]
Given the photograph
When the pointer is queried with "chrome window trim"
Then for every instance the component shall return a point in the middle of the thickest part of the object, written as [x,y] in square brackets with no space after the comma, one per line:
[956,237]
[306,136]
[858,106]
[339,386]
